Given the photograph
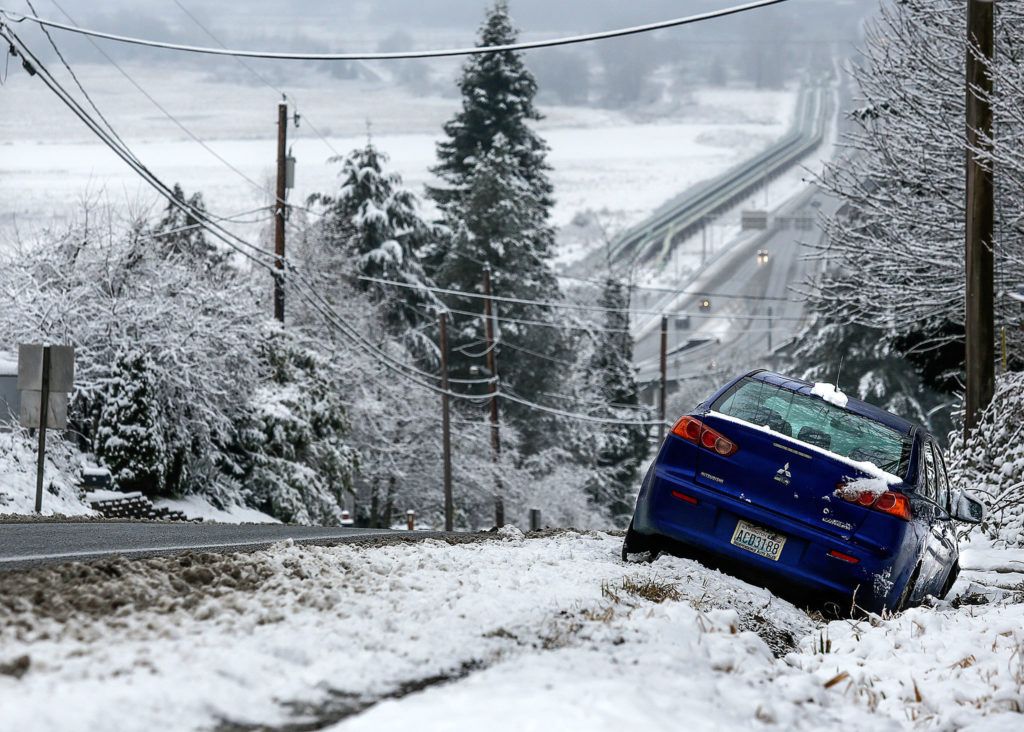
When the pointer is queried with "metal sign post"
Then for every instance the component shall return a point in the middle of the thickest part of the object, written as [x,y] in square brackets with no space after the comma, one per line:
[44,403]
[45,376]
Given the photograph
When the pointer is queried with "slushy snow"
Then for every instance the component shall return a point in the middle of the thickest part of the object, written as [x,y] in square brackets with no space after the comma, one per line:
[513,633]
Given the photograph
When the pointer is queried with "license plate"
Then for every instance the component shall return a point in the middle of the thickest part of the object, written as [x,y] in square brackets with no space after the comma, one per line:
[759,541]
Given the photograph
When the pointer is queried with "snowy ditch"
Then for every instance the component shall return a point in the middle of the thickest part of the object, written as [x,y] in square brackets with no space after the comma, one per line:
[546,632]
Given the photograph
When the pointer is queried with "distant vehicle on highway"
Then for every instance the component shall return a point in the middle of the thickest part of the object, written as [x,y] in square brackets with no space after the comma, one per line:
[705,304]
[795,484]
[762,256]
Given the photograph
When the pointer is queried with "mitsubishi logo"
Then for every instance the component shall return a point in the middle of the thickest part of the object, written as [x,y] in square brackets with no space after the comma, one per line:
[783,475]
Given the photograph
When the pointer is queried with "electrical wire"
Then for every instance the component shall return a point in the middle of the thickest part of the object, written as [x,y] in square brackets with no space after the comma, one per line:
[304,290]
[671,291]
[540,323]
[74,77]
[163,110]
[217,231]
[563,305]
[15,17]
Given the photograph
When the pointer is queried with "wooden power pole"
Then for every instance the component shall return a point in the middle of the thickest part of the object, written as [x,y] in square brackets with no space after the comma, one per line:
[663,364]
[492,388]
[446,427]
[280,209]
[980,353]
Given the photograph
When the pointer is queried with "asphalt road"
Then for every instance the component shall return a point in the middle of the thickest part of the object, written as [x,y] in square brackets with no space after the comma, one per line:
[24,545]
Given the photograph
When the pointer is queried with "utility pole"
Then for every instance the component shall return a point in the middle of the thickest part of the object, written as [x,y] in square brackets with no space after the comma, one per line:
[664,378]
[769,329]
[280,209]
[980,320]
[492,388]
[446,428]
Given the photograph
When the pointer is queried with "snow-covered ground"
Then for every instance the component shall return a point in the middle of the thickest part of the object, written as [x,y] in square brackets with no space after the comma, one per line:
[511,633]
[62,494]
[617,163]
[18,478]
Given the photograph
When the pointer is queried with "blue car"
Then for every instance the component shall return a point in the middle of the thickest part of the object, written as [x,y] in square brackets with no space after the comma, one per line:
[802,488]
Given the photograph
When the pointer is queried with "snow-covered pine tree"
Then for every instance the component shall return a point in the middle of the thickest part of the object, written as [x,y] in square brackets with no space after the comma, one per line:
[497,99]
[495,197]
[619,449]
[129,435]
[373,222]
[178,233]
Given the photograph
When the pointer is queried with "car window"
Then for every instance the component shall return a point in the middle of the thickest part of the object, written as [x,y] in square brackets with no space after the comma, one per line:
[929,471]
[817,422]
[941,479]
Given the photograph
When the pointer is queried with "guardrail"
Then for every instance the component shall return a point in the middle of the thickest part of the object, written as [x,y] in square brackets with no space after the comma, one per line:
[640,243]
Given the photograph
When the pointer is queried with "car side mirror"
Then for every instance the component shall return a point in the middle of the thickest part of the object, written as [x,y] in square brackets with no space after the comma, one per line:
[969,510]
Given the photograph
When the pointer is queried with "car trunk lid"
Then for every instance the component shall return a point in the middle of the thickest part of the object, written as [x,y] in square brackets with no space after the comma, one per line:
[781,474]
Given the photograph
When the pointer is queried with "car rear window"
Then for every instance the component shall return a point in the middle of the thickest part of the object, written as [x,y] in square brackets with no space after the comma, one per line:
[814,421]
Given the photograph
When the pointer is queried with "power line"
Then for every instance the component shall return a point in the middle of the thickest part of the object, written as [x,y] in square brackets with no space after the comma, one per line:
[15,17]
[74,77]
[673,291]
[125,153]
[216,230]
[565,305]
[408,372]
[163,109]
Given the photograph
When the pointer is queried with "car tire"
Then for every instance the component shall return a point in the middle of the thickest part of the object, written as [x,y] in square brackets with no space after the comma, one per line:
[954,573]
[908,591]
[638,547]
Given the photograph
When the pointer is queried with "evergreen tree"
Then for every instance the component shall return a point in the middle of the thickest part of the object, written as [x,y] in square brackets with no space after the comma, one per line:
[373,223]
[497,99]
[620,449]
[129,435]
[495,201]
[179,234]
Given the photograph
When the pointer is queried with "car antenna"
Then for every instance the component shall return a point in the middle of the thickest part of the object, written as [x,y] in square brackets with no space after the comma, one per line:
[839,371]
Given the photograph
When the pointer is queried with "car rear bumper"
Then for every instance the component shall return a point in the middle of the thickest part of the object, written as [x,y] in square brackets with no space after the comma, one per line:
[706,520]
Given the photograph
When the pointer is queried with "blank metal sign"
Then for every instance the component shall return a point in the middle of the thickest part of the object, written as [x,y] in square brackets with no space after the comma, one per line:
[30,368]
[56,412]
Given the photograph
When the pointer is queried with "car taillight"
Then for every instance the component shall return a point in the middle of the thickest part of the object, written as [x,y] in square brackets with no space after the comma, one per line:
[894,504]
[688,428]
[693,430]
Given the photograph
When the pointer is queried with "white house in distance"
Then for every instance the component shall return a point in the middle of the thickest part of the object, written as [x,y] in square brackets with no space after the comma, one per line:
[9,402]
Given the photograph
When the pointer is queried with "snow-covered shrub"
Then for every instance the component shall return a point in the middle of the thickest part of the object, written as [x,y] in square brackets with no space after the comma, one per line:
[176,369]
[895,248]
[129,434]
[990,461]
[101,286]
[295,463]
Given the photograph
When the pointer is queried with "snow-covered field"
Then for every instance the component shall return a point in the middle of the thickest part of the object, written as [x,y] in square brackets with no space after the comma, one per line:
[619,163]
[511,633]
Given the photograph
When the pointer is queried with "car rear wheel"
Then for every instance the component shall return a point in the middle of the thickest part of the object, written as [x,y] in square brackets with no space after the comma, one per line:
[954,572]
[638,547]
[908,591]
